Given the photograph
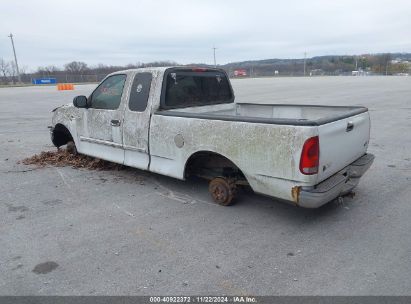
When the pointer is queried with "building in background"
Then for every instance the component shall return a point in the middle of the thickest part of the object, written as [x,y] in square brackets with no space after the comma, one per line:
[240,73]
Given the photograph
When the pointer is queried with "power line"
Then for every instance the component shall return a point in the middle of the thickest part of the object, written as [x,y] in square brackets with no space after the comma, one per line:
[15,57]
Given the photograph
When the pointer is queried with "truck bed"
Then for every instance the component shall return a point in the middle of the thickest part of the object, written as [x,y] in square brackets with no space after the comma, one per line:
[343,131]
[283,114]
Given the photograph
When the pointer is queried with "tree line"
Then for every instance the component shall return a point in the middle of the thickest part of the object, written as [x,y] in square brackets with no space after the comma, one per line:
[78,71]
[75,71]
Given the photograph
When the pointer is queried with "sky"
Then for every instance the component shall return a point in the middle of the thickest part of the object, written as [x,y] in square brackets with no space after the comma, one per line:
[123,31]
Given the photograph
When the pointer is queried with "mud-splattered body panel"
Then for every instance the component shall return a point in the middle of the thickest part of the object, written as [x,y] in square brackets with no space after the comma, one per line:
[268,155]
[265,142]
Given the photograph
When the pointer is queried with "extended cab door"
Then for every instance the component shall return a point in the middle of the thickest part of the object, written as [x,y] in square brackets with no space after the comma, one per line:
[100,129]
[137,122]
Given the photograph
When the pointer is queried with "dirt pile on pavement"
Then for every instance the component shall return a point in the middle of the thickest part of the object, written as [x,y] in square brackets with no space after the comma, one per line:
[62,158]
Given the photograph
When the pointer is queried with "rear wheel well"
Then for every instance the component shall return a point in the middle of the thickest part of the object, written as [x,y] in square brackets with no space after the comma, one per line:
[61,135]
[209,165]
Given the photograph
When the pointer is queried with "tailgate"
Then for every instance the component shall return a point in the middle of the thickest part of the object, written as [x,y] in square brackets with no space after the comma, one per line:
[342,142]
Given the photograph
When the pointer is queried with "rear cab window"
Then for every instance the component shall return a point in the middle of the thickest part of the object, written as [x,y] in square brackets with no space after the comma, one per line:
[195,87]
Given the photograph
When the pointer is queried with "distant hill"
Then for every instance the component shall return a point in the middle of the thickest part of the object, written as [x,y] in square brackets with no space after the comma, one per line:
[388,63]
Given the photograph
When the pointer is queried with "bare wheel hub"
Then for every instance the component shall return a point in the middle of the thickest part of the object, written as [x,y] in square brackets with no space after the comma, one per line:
[222,190]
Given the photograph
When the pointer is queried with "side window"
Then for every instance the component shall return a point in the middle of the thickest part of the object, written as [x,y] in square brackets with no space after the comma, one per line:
[140,91]
[108,93]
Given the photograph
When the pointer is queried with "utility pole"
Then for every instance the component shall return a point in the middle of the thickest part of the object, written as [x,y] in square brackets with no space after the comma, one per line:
[305,62]
[215,62]
[15,57]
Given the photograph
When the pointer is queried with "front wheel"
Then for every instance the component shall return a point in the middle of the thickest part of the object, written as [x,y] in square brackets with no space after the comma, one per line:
[223,190]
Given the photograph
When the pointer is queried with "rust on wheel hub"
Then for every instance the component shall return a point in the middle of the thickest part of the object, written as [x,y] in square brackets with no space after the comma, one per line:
[222,190]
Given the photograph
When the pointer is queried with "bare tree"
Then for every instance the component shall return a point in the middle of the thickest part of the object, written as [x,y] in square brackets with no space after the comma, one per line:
[23,69]
[382,63]
[51,69]
[76,67]
[387,62]
[47,70]
[4,68]
[13,71]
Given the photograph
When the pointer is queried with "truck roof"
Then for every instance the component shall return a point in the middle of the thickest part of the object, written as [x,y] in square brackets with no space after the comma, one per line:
[162,69]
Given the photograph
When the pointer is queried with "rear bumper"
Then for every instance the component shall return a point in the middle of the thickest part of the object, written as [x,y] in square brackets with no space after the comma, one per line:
[338,184]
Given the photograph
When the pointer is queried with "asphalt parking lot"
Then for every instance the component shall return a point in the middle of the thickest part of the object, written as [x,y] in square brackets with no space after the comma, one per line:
[67,231]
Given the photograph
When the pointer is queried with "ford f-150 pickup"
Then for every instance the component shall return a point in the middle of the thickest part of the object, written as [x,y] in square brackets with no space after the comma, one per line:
[183,122]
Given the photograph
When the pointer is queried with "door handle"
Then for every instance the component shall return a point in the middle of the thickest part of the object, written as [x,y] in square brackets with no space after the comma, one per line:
[350,126]
[115,123]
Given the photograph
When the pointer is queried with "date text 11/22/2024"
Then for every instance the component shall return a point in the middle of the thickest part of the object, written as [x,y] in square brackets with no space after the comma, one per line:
[203,299]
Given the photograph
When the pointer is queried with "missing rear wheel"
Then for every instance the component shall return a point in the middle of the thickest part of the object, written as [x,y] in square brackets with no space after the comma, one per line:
[223,190]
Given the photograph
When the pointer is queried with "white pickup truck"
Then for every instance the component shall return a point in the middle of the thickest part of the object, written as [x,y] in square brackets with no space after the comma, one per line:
[183,122]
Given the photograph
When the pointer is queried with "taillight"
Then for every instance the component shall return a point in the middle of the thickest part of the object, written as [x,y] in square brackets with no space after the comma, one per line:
[310,156]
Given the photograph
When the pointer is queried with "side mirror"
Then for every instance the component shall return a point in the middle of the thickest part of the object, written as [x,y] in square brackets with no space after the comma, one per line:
[80,101]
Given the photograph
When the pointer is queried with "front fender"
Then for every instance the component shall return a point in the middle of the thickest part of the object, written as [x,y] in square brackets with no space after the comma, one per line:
[67,116]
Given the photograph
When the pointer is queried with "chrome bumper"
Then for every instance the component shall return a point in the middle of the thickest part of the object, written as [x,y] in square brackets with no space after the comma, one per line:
[338,184]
